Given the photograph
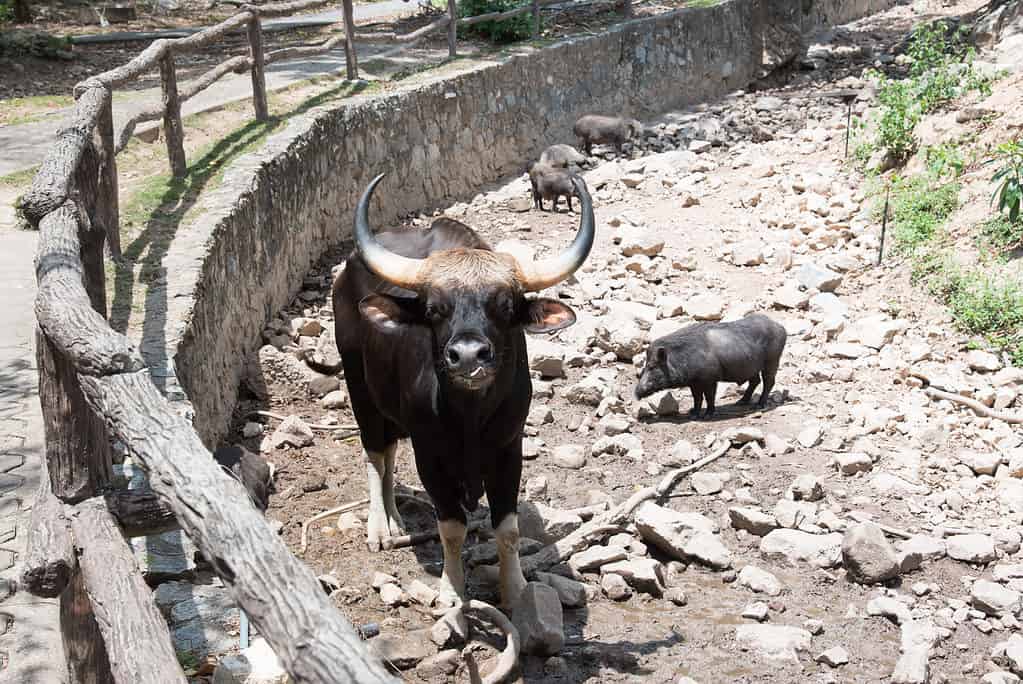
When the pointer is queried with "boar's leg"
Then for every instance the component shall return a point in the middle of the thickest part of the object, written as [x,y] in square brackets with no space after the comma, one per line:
[769,373]
[568,198]
[697,400]
[709,393]
[748,396]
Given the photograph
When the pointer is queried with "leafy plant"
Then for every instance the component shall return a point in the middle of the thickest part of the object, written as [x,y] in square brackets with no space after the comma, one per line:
[998,233]
[919,206]
[503,31]
[944,159]
[1009,179]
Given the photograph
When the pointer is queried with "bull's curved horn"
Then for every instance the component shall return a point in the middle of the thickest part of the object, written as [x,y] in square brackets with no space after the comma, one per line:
[394,268]
[540,274]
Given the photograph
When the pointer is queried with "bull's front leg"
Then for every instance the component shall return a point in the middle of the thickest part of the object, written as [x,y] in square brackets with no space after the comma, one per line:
[384,521]
[502,484]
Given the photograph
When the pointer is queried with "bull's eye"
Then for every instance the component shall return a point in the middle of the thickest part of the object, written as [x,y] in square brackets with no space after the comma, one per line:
[503,306]
[437,310]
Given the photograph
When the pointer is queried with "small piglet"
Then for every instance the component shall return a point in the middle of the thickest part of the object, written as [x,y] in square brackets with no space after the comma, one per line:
[702,355]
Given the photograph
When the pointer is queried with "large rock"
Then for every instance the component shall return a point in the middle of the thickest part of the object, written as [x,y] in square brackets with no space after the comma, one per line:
[814,277]
[773,642]
[571,593]
[867,555]
[642,574]
[707,549]
[995,599]
[706,307]
[292,432]
[640,241]
[873,331]
[546,357]
[537,617]
[682,535]
[822,550]
[1009,653]
[257,664]
[918,638]
[592,389]
[404,650]
[201,617]
[971,548]
[748,253]
[759,581]
[752,520]
[624,338]
[596,556]
[544,523]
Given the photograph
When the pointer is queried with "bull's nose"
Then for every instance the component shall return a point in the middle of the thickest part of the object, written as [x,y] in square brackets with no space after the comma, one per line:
[466,354]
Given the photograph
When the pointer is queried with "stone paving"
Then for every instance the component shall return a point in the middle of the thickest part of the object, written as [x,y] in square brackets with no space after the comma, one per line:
[30,644]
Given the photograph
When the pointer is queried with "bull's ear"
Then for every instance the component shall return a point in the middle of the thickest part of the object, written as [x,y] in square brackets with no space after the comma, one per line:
[389,314]
[546,315]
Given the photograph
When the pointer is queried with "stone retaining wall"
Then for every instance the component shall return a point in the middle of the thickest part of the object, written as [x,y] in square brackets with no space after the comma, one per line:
[440,139]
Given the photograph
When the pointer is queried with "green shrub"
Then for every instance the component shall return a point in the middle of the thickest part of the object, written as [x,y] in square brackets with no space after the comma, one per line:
[1009,177]
[918,207]
[899,116]
[34,44]
[503,31]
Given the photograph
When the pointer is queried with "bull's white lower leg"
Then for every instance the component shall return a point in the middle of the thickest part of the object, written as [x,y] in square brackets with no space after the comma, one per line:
[380,476]
[510,578]
[452,581]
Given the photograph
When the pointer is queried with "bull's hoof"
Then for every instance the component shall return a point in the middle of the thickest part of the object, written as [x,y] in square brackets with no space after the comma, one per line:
[744,401]
[694,413]
[381,529]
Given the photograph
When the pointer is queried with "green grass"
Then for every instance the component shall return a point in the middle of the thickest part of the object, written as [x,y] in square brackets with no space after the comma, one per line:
[19,179]
[981,304]
[998,235]
[20,110]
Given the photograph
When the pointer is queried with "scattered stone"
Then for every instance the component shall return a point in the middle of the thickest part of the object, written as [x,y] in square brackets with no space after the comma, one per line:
[806,488]
[748,253]
[706,307]
[917,640]
[759,581]
[382,578]
[755,611]
[642,574]
[834,657]
[537,616]
[257,664]
[615,587]
[982,361]
[888,607]
[442,664]
[971,548]
[595,557]
[403,651]
[853,462]
[929,548]
[252,430]
[995,599]
[292,432]
[811,435]
[451,630]
[571,593]
[822,550]
[773,642]
[392,595]
[676,595]
[334,400]
[544,523]
[819,278]
[752,520]
[422,593]
[867,555]
[705,484]
[571,456]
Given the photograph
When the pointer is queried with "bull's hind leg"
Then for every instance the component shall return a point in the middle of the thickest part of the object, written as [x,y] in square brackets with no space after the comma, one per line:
[384,521]
[747,397]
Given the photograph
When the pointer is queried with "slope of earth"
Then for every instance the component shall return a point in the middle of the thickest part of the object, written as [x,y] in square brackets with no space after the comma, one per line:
[739,206]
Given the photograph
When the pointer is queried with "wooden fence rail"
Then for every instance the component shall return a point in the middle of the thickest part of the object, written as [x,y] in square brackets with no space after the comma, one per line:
[94,387]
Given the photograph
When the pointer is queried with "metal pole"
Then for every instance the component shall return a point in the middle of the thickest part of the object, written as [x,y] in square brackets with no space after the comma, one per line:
[848,120]
[884,224]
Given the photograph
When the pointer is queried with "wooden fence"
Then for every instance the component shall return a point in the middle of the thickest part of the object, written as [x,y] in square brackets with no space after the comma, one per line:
[95,388]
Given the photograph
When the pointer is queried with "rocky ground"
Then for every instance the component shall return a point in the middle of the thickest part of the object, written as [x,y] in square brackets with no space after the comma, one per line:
[855,530]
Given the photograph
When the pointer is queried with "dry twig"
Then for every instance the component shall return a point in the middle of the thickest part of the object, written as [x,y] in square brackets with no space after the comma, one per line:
[313,426]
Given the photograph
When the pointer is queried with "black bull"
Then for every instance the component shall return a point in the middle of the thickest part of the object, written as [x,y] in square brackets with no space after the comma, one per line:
[430,327]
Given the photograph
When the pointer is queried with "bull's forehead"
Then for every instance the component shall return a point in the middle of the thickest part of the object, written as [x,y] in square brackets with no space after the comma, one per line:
[471,269]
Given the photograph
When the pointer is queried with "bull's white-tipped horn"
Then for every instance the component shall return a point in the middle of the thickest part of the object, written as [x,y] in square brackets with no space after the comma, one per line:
[538,275]
[394,268]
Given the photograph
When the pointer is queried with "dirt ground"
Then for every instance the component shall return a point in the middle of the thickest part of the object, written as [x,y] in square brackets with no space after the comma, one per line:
[651,639]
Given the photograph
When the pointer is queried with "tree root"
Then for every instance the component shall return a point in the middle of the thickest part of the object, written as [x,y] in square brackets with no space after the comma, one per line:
[978,407]
[350,506]
[312,426]
[612,520]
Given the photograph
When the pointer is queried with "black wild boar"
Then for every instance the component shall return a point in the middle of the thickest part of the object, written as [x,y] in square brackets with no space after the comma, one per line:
[550,183]
[702,355]
[593,129]
[562,156]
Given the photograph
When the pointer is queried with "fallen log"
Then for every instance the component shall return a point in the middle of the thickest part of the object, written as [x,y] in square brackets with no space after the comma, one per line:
[978,407]
[50,561]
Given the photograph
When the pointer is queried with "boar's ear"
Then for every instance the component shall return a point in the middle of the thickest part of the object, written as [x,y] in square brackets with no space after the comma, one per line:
[546,315]
[390,314]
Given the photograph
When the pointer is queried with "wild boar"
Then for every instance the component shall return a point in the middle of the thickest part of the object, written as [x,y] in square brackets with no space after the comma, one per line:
[702,355]
[593,129]
[562,157]
[550,183]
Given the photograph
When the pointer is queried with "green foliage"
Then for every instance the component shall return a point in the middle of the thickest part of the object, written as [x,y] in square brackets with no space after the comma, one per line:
[503,31]
[1009,179]
[998,233]
[19,44]
[6,10]
[944,159]
[919,205]
[941,70]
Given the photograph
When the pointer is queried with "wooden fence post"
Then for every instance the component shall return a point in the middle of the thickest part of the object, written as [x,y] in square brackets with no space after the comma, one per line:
[452,28]
[86,654]
[351,58]
[627,9]
[258,69]
[107,207]
[536,18]
[172,128]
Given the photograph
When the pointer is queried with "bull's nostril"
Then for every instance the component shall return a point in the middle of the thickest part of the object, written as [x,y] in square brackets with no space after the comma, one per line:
[453,357]
[485,354]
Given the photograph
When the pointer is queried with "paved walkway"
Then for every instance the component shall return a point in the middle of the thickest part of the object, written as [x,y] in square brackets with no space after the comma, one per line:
[23,146]
[30,644]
